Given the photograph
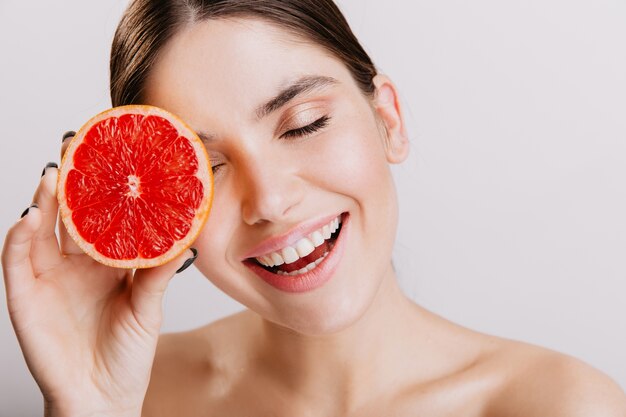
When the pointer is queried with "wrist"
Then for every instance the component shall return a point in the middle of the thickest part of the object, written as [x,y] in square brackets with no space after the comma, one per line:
[51,410]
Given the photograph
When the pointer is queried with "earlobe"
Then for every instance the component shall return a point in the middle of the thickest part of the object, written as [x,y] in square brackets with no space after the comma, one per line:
[387,107]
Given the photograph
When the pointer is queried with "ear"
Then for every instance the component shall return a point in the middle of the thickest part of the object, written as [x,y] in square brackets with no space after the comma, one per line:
[387,107]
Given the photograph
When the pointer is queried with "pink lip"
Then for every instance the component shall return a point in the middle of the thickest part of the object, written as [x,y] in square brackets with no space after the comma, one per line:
[287,239]
[312,279]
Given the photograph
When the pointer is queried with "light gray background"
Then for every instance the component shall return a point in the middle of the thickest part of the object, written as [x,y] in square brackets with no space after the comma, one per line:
[513,202]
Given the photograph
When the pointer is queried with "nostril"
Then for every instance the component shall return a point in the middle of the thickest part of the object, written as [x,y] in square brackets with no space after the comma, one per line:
[269,208]
[268,191]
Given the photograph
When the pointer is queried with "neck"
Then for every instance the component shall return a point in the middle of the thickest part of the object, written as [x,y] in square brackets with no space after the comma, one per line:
[346,368]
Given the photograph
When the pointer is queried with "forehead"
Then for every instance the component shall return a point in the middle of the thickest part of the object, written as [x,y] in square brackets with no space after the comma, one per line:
[231,65]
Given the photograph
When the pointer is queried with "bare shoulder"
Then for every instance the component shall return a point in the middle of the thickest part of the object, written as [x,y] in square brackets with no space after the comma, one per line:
[193,366]
[541,382]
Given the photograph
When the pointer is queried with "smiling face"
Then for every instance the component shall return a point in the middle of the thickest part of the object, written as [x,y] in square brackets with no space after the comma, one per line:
[285,165]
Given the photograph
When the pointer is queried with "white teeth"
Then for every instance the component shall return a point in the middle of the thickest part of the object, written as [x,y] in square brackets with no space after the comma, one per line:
[266,260]
[304,247]
[290,255]
[307,268]
[317,238]
[277,259]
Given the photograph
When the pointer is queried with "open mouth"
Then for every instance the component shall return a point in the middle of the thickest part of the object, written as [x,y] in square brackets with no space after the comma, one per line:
[307,253]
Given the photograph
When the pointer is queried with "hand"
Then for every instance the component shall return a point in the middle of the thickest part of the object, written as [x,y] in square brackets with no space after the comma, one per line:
[88,331]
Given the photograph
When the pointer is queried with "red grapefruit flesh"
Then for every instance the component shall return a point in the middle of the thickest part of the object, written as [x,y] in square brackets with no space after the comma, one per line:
[135,187]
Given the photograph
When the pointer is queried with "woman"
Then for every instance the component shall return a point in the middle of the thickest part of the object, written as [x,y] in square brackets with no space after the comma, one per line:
[301,130]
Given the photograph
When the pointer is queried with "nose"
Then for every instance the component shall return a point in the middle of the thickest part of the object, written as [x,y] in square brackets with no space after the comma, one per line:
[269,190]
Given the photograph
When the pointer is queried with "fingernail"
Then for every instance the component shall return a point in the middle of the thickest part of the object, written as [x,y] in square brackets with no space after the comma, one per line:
[68,134]
[49,165]
[188,262]
[25,212]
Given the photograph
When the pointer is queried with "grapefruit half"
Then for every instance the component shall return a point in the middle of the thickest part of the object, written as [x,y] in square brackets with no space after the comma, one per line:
[135,187]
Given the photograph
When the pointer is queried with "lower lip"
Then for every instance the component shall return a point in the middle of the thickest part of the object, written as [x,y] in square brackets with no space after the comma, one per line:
[313,279]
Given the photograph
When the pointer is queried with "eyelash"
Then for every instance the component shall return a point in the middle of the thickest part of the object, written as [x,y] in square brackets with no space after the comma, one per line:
[216,168]
[308,129]
[320,123]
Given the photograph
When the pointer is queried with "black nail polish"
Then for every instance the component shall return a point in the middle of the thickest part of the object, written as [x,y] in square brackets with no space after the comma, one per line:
[49,165]
[189,261]
[25,212]
[68,134]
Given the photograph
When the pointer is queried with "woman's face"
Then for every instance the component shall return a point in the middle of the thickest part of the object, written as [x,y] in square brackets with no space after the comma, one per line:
[284,168]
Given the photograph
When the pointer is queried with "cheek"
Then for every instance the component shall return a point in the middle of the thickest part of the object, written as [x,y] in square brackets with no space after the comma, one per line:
[214,238]
[350,160]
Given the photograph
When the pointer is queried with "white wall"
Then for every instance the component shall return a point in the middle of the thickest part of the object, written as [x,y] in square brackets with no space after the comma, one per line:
[513,203]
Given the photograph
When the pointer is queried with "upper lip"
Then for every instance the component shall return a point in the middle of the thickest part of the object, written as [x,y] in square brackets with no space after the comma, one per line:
[296,233]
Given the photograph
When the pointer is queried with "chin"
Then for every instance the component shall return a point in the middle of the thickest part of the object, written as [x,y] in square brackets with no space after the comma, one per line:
[335,314]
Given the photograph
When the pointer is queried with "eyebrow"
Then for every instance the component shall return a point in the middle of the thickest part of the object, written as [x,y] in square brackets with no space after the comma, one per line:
[301,86]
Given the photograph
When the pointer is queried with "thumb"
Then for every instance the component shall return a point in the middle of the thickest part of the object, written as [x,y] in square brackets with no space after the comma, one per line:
[149,286]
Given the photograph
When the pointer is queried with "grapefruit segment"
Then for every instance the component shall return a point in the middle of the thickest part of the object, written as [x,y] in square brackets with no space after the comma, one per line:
[166,214]
[135,187]
[91,163]
[185,190]
[155,136]
[156,238]
[92,221]
[100,188]
[118,241]
[112,137]
[174,159]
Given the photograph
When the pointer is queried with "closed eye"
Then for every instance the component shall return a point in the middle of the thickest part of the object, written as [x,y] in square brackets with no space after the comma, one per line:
[308,129]
[216,168]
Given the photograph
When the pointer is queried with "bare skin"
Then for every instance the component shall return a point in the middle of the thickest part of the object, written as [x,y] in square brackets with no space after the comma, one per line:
[89,343]
[222,369]
[356,346]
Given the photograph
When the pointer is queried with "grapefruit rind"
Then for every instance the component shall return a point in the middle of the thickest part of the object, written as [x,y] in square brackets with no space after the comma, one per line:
[204,174]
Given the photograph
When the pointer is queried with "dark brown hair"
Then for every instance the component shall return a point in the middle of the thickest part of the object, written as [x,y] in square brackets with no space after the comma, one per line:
[147,25]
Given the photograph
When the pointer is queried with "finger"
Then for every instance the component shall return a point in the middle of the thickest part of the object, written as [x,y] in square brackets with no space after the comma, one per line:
[68,246]
[149,286]
[45,247]
[19,277]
